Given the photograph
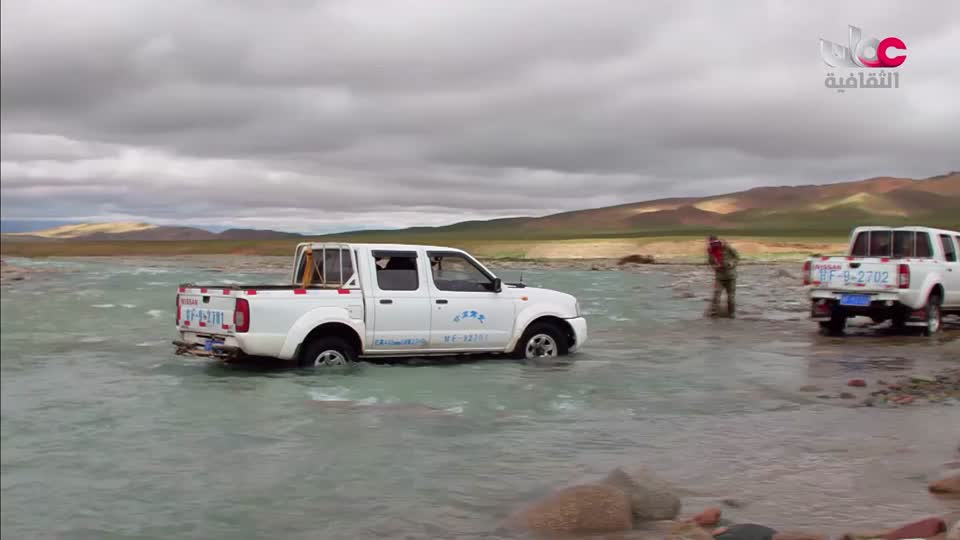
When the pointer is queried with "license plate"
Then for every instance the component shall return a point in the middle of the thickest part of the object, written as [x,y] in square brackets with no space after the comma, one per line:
[208,317]
[208,346]
[855,300]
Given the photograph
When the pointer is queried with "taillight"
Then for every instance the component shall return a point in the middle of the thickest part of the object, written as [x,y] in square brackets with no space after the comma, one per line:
[806,272]
[178,310]
[903,276]
[241,316]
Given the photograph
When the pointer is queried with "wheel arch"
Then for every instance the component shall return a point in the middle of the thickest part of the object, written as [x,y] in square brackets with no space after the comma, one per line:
[560,323]
[336,329]
[937,290]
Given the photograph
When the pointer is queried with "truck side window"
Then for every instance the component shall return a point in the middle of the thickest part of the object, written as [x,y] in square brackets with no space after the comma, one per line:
[880,243]
[454,272]
[860,245]
[903,244]
[396,270]
[949,252]
[924,248]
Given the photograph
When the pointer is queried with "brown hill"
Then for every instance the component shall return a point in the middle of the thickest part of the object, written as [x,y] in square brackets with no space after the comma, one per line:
[256,234]
[156,233]
[829,208]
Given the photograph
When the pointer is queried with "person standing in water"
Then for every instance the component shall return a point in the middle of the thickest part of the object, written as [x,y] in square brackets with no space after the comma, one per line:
[723,259]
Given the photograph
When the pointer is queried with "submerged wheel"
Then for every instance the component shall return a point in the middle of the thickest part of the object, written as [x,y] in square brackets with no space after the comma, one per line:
[900,319]
[327,352]
[934,316]
[541,340]
[836,324]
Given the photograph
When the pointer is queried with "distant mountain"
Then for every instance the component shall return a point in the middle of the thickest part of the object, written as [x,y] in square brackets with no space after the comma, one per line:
[828,208]
[256,234]
[88,229]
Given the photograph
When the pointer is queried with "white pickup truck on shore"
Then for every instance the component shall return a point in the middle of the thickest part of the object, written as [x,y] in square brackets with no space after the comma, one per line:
[909,275]
[351,301]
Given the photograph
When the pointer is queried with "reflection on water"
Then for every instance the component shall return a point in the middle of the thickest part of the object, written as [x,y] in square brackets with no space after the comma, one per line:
[106,433]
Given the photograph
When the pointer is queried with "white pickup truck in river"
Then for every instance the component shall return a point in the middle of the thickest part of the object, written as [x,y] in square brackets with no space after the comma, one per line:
[347,301]
[910,275]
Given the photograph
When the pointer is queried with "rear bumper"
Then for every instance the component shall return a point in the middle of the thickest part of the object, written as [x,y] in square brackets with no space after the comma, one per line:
[906,297]
[200,348]
[579,326]
[822,309]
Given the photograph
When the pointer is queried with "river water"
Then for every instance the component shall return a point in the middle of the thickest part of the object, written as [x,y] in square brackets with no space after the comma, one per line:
[107,434]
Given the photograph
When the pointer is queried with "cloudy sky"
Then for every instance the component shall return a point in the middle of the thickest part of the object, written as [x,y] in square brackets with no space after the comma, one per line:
[327,115]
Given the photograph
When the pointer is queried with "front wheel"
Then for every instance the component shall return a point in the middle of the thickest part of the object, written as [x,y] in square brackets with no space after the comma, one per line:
[541,340]
[934,316]
[327,352]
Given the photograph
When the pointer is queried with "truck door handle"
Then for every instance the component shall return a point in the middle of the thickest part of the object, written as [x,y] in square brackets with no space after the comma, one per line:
[386,301]
[441,301]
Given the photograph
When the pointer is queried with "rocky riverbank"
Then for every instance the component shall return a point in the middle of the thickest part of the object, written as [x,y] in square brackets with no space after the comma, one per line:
[10,273]
[940,388]
[635,503]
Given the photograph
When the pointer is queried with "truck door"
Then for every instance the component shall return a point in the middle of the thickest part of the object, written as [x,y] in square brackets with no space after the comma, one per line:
[951,275]
[400,301]
[466,313]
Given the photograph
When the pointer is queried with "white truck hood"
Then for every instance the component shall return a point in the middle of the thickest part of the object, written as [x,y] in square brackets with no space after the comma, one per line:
[564,304]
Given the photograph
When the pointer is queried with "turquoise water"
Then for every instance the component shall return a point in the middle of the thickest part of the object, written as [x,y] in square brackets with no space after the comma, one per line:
[107,434]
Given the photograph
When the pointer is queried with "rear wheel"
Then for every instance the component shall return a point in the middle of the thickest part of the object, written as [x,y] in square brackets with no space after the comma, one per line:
[836,324]
[900,319]
[541,340]
[934,316]
[327,352]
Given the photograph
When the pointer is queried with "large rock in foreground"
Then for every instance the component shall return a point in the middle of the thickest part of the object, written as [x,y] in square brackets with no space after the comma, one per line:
[651,498]
[585,509]
[947,485]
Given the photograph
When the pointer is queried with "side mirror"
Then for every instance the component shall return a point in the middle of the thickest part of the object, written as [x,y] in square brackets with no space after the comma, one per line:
[497,285]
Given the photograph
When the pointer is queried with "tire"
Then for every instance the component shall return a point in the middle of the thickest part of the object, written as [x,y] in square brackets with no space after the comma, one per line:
[541,340]
[900,320]
[836,324]
[326,352]
[934,316]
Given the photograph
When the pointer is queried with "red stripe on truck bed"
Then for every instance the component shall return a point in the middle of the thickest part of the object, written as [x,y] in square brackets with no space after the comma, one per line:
[343,291]
[299,291]
[251,292]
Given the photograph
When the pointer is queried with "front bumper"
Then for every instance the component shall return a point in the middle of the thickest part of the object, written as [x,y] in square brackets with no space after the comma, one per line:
[579,326]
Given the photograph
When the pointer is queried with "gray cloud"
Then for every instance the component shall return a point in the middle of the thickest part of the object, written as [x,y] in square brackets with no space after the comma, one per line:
[323,115]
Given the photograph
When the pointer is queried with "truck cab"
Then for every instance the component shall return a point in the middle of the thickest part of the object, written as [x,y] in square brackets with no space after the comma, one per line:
[909,275]
[351,301]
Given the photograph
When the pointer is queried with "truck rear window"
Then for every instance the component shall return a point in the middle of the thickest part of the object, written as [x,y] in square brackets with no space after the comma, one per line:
[924,248]
[895,244]
[904,244]
[881,243]
[332,267]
